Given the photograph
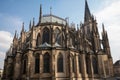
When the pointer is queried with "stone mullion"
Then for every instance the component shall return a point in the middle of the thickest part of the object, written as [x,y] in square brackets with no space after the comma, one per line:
[53,65]
[71,76]
[41,65]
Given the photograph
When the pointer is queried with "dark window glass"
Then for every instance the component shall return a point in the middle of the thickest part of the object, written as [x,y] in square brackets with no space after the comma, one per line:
[46,35]
[46,63]
[95,66]
[24,66]
[87,65]
[79,64]
[38,40]
[73,64]
[60,63]
[37,64]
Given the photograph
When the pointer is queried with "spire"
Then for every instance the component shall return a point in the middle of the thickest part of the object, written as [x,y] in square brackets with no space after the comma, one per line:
[33,22]
[30,25]
[103,28]
[40,15]
[15,36]
[87,14]
[23,27]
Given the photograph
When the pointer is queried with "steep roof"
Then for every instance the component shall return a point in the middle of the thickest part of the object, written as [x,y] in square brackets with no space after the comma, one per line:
[52,19]
[117,63]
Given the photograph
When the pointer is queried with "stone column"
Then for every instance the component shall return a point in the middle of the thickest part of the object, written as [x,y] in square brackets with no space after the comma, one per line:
[53,65]
[71,76]
[77,66]
[41,64]
[91,69]
[30,64]
[17,66]
[83,67]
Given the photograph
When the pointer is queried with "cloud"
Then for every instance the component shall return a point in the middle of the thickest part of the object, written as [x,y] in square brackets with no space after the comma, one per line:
[110,15]
[2,57]
[5,41]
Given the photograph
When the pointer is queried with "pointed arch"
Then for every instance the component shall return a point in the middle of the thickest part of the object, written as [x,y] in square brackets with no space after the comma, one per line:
[60,63]
[46,63]
[58,36]
[46,35]
[38,41]
[95,65]
[37,63]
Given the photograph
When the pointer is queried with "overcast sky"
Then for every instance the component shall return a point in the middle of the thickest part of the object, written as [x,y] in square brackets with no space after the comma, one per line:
[14,12]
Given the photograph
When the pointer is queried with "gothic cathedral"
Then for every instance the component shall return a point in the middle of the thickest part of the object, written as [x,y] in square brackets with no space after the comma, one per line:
[53,49]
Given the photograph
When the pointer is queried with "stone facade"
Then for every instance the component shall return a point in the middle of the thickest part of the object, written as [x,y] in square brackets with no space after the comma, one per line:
[55,50]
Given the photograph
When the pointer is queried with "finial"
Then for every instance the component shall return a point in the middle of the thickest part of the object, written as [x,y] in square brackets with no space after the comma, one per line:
[77,27]
[33,21]
[40,15]
[15,36]
[23,27]
[30,25]
[103,27]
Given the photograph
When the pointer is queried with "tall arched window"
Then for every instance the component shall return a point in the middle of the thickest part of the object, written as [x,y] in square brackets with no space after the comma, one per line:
[95,65]
[58,36]
[24,64]
[87,65]
[46,59]
[38,40]
[79,60]
[60,63]
[37,63]
[46,35]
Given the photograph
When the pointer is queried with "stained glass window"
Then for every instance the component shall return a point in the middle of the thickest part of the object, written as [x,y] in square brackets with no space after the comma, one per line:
[60,63]
[46,59]
[46,35]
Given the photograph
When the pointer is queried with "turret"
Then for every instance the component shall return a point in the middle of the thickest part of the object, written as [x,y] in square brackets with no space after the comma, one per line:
[30,25]
[105,42]
[22,33]
[15,39]
[15,43]
[15,36]
[22,27]
[33,38]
